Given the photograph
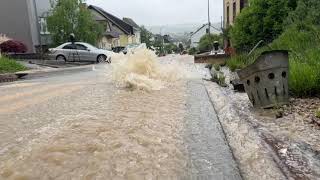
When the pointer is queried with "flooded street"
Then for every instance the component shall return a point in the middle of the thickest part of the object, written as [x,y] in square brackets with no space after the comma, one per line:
[87,126]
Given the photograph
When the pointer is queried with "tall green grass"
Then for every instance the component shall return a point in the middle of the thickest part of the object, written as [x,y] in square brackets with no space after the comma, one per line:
[303,44]
[242,60]
[10,66]
[304,78]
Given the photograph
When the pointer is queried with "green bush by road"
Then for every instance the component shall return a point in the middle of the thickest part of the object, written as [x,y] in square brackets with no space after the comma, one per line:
[10,66]
[303,44]
[300,34]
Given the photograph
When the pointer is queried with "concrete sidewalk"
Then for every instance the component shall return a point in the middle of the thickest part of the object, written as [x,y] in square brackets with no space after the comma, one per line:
[207,146]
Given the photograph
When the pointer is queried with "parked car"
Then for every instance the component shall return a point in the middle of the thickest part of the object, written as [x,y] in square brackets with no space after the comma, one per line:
[80,51]
[133,47]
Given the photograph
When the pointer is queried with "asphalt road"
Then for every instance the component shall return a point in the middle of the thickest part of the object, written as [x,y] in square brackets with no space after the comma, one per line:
[83,126]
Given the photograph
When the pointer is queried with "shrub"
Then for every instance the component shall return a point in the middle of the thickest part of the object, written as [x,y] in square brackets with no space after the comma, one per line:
[262,20]
[13,46]
[217,67]
[171,48]
[206,42]
[306,11]
[10,66]
[192,51]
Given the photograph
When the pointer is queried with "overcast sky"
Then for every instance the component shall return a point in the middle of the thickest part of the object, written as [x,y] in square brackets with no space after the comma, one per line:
[163,12]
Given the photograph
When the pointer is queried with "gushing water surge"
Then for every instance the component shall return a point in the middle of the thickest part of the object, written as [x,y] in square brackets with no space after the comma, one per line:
[141,70]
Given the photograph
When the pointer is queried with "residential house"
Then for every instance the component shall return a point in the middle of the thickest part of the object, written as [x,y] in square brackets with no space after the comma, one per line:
[24,20]
[117,31]
[231,9]
[136,39]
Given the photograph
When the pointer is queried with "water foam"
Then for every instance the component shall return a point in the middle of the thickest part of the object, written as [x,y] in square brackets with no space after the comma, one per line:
[140,69]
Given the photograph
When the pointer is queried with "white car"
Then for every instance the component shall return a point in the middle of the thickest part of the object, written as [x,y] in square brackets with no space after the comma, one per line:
[80,51]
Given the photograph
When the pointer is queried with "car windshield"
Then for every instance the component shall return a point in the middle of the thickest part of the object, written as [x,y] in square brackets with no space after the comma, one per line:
[90,46]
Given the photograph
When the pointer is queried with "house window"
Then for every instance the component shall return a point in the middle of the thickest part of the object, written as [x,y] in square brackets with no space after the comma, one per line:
[43,26]
[228,16]
[234,11]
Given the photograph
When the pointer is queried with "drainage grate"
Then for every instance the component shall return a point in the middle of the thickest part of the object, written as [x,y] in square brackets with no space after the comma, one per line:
[266,80]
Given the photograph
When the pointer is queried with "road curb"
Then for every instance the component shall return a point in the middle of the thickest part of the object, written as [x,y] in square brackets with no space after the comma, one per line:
[10,77]
[52,72]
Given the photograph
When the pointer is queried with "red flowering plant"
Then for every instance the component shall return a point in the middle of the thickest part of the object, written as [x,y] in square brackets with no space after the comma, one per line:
[12,46]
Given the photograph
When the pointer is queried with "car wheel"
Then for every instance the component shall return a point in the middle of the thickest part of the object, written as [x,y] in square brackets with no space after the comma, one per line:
[109,60]
[61,58]
[101,58]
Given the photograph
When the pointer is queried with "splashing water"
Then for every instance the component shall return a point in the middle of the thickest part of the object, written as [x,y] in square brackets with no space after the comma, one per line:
[141,70]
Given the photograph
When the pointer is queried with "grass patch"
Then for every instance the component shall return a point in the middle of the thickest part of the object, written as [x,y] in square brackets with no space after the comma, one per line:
[304,75]
[303,44]
[243,60]
[238,62]
[10,66]
[217,67]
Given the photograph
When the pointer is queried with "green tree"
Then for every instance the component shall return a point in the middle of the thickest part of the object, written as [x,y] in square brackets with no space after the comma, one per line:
[158,44]
[206,42]
[262,20]
[146,36]
[171,48]
[72,16]
[306,12]
[192,51]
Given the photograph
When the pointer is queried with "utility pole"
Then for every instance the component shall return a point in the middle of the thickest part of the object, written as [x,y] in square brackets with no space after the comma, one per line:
[38,27]
[209,23]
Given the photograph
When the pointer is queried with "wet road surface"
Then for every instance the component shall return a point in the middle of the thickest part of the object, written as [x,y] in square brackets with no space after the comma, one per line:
[82,126]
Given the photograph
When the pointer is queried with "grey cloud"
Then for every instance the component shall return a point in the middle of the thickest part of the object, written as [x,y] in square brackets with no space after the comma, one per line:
[162,12]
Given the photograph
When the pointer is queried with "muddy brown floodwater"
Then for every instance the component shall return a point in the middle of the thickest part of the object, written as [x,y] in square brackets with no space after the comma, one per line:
[140,118]
[137,137]
[133,135]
